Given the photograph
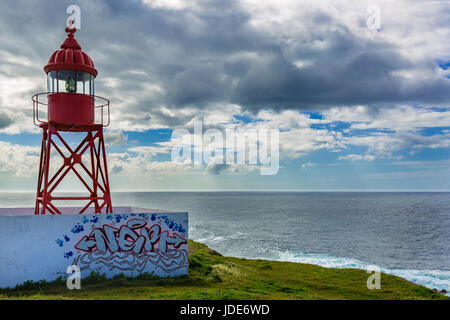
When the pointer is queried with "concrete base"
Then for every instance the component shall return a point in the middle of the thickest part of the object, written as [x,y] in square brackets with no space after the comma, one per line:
[130,241]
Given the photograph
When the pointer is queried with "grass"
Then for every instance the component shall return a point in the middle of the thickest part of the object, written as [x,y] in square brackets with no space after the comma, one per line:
[212,276]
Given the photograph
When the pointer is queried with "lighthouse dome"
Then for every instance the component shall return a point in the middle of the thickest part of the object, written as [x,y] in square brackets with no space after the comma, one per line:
[70,57]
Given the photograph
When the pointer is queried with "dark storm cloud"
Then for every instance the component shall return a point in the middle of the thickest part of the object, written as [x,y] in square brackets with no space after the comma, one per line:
[116,169]
[216,168]
[213,55]
[346,77]
[5,120]
[200,85]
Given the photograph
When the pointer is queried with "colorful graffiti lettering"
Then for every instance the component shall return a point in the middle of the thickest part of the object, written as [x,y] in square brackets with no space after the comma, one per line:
[134,236]
[127,242]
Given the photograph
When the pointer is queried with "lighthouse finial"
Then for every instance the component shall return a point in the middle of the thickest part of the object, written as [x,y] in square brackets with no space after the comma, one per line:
[70,42]
[71,30]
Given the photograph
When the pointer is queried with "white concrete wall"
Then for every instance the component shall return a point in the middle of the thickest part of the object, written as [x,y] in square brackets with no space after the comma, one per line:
[41,247]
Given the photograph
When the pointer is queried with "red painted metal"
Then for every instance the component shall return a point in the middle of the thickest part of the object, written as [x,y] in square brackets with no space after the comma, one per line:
[41,106]
[70,57]
[72,112]
[97,183]
[70,108]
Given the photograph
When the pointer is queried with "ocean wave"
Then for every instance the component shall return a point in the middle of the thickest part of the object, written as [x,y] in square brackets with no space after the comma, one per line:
[433,279]
[211,238]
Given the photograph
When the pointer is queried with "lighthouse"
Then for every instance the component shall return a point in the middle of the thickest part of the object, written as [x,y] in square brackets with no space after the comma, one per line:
[130,242]
[71,106]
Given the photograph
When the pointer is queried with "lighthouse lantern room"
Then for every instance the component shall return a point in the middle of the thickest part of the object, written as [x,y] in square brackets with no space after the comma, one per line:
[70,105]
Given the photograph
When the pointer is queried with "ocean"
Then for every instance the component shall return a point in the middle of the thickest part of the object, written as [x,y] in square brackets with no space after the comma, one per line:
[402,233]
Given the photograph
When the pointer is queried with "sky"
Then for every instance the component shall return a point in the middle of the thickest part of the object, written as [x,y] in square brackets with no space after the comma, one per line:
[357,107]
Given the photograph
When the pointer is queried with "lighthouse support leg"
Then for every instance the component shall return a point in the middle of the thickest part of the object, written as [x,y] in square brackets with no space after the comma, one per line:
[42,166]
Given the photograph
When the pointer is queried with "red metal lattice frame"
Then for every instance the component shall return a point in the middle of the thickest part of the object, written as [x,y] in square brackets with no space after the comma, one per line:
[98,183]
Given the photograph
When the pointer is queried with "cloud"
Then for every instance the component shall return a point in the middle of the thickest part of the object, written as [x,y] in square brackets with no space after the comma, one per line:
[6,119]
[115,138]
[398,118]
[216,168]
[427,164]
[166,64]
[357,157]
[173,4]
[18,160]
[305,166]
[150,151]
[193,57]
[386,131]
[115,169]
[371,67]
[141,167]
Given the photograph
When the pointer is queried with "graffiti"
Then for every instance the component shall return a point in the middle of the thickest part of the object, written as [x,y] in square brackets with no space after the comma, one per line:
[61,242]
[139,244]
[133,236]
[77,229]
[127,261]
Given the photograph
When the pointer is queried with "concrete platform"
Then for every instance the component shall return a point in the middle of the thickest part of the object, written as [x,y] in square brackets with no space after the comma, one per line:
[130,241]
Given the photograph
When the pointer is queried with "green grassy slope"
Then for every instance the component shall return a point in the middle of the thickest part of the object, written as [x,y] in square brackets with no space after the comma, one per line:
[212,276]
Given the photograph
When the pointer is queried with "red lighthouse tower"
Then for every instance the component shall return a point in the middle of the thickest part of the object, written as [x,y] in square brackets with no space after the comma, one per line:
[70,105]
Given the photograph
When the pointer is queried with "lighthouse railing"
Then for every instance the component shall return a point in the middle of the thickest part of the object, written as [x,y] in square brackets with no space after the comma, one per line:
[36,103]
[103,104]
[40,105]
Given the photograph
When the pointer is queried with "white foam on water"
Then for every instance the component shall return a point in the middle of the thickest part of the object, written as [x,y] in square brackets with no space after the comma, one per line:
[433,279]
[211,238]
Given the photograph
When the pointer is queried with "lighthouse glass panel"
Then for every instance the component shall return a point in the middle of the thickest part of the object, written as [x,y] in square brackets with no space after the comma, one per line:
[51,82]
[70,81]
